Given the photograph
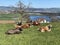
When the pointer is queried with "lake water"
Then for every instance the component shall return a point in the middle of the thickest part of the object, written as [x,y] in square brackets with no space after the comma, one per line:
[35,17]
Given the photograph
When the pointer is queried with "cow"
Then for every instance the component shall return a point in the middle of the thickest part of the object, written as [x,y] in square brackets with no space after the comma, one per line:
[45,28]
[35,23]
[27,25]
[14,31]
[17,29]
[18,25]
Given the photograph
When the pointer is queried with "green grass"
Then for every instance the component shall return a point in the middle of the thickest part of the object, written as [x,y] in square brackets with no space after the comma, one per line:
[30,36]
[9,16]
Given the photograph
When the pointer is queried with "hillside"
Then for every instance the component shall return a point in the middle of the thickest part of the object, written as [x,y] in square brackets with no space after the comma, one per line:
[5,8]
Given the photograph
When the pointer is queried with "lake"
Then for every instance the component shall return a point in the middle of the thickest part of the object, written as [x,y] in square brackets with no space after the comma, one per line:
[35,17]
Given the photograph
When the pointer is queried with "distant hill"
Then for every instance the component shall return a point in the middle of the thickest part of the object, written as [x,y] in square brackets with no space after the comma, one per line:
[45,9]
[5,8]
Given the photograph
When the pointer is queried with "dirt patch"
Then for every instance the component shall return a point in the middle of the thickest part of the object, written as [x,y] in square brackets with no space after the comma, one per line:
[6,21]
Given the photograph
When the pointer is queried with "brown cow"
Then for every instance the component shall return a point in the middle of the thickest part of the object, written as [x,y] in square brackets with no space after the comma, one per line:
[45,28]
[27,25]
[18,25]
[36,23]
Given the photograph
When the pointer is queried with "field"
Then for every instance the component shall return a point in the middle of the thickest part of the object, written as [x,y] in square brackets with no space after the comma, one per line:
[9,16]
[30,36]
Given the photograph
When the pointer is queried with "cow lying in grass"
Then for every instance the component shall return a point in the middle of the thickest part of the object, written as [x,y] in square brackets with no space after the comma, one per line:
[45,28]
[14,31]
[27,25]
[20,25]
[35,23]
[17,29]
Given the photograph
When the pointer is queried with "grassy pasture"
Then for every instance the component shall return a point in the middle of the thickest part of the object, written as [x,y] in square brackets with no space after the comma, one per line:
[30,36]
[9,16]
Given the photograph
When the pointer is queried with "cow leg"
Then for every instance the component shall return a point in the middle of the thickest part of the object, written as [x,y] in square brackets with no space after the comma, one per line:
[42,30]
[49,30]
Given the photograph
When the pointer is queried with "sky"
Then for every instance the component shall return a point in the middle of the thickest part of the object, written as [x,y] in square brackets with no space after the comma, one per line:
[33,3]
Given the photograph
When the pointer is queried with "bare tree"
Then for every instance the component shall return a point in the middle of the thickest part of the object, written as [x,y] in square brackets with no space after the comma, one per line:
[22,9]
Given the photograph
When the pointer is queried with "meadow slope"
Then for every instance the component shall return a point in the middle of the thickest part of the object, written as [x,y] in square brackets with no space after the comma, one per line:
[30,36]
